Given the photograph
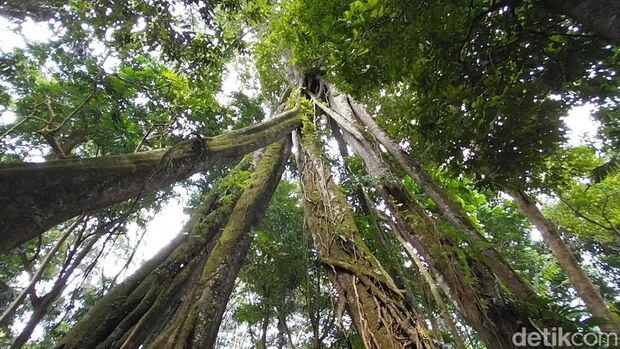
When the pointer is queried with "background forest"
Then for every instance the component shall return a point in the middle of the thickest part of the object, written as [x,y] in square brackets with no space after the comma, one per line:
[352,174]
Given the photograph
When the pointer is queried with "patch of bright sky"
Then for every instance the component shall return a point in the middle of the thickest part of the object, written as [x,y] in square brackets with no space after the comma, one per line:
[32,31]
[581,126]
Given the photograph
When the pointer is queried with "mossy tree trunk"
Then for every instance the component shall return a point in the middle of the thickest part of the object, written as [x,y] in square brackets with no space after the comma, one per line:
[197,322]
[379,310]
[448,207]
[193,277]
[36,196]
[373,214]
[156,288]
[472,286]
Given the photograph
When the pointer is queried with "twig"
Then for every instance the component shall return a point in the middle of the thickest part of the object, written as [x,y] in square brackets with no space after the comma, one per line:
[14,127]
[72,114]
[39,273]
[578,213]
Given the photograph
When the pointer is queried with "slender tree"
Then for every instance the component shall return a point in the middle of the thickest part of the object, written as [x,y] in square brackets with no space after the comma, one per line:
[586,289]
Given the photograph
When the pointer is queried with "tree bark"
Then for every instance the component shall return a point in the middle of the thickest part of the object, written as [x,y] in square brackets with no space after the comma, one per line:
[601,17]
[372,214]
[156,288]
[484,306]
[583,285]
[378,308]
[197,322]
[443,309]
[36,196]
[262,344]
[449,208]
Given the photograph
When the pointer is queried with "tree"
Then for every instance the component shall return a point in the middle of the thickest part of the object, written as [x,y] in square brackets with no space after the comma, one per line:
[440,103]
[204,266]
[372,297]
[599,17]
[82,185]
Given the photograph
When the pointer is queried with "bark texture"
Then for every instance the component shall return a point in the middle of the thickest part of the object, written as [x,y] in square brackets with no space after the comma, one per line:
[197,322]
[378,308]
[601,17]
[585,287]
[36,196]
[469,283]
[149,298]
[177,300]
[449,208]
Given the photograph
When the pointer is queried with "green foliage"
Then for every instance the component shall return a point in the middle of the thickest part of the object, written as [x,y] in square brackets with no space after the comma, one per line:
[476,89]
[588,214]
[472,86]
[609,168]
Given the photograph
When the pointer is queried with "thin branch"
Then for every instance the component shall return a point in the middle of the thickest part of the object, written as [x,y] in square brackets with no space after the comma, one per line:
[15,126]
[39,273]
[578,213]
[72,114]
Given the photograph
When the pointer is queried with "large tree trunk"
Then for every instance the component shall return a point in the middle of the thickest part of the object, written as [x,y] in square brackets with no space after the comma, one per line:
[567,261]
[157,287]
[449,208]
[602,17]
[379,310]
[195,279]
[490,312]
[197,322]
[373,214]
[36,196]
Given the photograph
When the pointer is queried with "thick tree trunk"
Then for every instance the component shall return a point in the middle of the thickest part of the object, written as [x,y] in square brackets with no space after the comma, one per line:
[601,17]
[36,196]
[368,210]
[567,261]
[475,296]
[378,308]
[197,322]
[449,208]
[483,305]
[156,289]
